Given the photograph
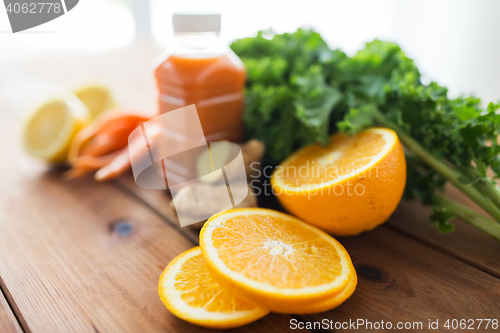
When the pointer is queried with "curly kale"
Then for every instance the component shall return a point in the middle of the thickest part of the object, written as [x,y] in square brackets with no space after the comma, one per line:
[299,91]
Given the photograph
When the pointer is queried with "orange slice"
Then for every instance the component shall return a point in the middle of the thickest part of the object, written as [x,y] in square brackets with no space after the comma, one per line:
[350,186]
[273,259]
[333,302]
[189,292]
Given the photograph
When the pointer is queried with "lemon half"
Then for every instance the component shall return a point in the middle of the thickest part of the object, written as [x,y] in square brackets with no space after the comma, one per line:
[49,130]
[96,97]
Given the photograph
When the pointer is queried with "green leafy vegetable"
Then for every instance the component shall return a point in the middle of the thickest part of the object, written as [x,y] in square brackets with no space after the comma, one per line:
[299,91]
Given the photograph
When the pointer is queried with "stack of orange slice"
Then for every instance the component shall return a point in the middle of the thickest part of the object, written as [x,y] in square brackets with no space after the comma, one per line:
[252,261]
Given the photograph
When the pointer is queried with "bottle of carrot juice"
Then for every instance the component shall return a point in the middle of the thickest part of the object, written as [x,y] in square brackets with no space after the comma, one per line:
[199,69]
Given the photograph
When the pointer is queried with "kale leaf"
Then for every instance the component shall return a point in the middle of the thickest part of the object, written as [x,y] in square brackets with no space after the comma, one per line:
[299,91]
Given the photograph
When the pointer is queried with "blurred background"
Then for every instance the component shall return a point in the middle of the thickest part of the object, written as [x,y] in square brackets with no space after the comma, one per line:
[453,42]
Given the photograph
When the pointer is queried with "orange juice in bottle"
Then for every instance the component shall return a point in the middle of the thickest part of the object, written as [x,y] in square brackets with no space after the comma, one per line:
[199,69]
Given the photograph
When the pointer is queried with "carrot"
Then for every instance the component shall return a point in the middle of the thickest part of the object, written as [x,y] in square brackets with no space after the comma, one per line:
[121,163]
[107,133]
[95,162]
[103,143]
[115,168]
[84,164]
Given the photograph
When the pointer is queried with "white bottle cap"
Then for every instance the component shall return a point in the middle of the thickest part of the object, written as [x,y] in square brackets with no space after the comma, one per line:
[196,22]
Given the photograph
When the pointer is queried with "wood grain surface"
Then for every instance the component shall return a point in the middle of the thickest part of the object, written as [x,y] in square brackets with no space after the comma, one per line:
[466,243]
[83,256]
[401,279]
[8,321]
[403,275]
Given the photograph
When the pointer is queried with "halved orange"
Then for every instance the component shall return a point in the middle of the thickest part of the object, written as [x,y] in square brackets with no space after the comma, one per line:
[349,186]
[274,260]
[189,292]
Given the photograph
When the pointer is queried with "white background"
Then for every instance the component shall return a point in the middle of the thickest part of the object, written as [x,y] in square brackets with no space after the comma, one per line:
[454,42]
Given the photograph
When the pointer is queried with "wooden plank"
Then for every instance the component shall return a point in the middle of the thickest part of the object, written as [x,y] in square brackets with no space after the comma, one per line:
[158,200]
[95,271]
[82,256]
[8,321]
[465,243]
[401,279]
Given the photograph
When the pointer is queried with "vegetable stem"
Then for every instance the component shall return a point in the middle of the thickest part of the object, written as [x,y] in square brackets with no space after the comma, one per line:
[450,174]
[468,215]
[491,190]
[487,187]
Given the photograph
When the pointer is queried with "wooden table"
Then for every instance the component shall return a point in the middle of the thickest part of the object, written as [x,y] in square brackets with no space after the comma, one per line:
[83,256]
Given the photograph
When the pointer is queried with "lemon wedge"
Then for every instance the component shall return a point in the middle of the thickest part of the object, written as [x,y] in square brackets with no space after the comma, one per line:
[49,130]
[96,97]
